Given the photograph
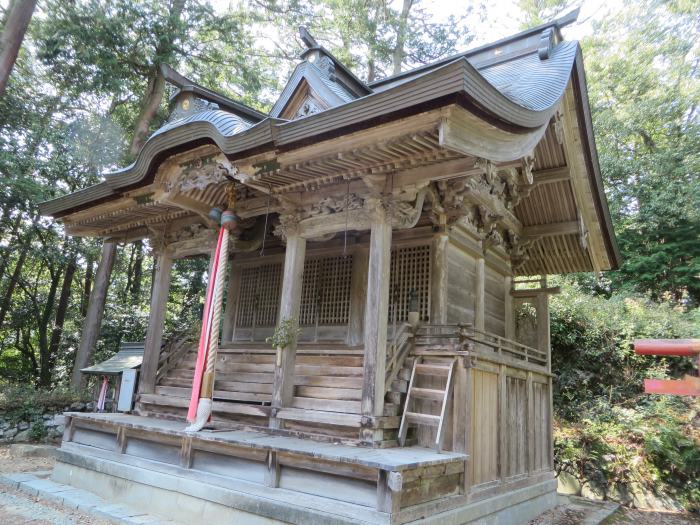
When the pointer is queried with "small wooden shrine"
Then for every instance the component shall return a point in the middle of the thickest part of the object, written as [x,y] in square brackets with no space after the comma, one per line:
[407,225]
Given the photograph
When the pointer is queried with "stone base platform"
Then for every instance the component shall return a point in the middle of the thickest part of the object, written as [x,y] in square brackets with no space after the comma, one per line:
[254,477]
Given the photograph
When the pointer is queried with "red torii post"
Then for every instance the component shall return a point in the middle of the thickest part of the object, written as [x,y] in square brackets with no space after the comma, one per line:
[689,385]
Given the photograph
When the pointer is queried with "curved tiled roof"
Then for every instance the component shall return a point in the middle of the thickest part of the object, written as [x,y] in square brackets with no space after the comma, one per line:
[517,92]
[531,82]
[494,89]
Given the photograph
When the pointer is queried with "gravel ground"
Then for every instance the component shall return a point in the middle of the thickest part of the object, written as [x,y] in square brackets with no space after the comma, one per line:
[18,508]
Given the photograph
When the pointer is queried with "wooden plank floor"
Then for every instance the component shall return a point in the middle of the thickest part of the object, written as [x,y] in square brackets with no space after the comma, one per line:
[391,459]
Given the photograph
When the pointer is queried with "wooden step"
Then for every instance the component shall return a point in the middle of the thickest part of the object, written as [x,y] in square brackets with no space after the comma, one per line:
[218,394]
[430,394]
[319,360]
[328,381]
[327,405]
[318,416]
[346,394]
[422,419]
[433,370]
[225,407]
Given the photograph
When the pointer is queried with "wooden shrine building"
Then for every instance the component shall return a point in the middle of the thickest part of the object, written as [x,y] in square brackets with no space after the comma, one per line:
[407,225]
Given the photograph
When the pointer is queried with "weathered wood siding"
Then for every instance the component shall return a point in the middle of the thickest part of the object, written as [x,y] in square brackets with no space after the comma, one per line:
[484,425]
[510,424]
[460,278]
[495,301]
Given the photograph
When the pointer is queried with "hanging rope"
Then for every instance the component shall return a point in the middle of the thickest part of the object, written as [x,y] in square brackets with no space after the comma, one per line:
[219,279]
[347,211]
[201,401]
[267,213]
[200,407]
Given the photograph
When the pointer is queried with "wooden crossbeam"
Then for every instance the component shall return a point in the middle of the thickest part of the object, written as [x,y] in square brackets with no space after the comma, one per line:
[548,230]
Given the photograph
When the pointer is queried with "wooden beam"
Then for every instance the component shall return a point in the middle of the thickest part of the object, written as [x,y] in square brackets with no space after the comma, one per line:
[464,132]
[376,317]
[535,292]
[550,176]
[190,204]
[95,312]
[234,286]
[438,281]
[156,318]
[358,293]
[290,304]
[548,230]
[508,307]
[479,294]
[543,336]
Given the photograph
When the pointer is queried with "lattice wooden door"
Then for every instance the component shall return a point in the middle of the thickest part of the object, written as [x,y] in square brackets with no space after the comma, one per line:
[409,270]
[325,292]
[259,296]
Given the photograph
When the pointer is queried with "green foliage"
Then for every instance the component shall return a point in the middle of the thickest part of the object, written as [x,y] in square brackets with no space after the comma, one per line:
[38,431]
[22,403]
[285,333]
[609,434]
[644,88]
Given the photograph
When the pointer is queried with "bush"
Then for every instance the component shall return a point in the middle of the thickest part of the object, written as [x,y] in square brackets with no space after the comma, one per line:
[609,434]
[38,431]
[23,403]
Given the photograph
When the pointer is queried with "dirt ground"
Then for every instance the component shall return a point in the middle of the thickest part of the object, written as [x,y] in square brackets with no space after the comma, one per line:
[575,514]
[641,517]
[18,508]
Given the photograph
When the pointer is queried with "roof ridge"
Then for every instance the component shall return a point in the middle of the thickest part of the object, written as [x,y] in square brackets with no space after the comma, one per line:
[556,23]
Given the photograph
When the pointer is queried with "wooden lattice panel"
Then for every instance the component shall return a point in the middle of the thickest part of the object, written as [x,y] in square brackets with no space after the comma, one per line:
[410,269]
[259,296]
[325,292]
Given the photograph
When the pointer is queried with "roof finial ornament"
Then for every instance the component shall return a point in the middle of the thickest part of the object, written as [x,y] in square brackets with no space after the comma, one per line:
[546,44]
[309,41]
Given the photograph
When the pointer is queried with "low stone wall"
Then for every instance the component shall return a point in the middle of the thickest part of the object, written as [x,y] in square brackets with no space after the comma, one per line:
[44,428]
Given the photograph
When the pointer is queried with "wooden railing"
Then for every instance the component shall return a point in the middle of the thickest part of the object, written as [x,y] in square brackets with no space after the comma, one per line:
[172,351]
[462,337]
[397,352]
[502,346]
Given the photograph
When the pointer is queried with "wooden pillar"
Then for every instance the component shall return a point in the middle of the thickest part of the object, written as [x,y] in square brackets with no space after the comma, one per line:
[376,318]
[542,309]
[95,312]
[234,286]
[460,407]
[290,303]
[480,294]
[358,291]
[509,312]
[438,282]
[543,344]
[156,319]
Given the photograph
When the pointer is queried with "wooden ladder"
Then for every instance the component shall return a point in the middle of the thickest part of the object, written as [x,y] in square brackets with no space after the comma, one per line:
[431,394]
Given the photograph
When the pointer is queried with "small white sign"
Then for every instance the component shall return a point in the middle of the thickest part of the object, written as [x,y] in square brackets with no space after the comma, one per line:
[126,391]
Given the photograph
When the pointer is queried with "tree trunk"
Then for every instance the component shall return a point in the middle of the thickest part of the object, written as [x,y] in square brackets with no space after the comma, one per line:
[43,329]
[156,81]
[6,251]
[137,273]
[12,35]
[7,299]
[93,319]
[87,287]
[399,50]
[47,364]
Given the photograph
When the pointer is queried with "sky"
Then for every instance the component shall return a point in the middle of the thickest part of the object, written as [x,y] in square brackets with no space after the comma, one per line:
[502,19]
